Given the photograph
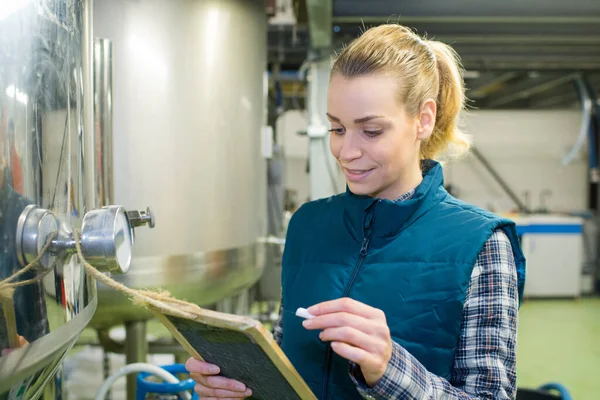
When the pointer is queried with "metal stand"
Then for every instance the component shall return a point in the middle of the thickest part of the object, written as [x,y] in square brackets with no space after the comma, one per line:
[323,170]
[238,304]
[106,371]
[136,350]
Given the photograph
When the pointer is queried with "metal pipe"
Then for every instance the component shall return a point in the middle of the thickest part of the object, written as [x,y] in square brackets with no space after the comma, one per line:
[103,115]
[521,206]
[528,92]
[467,19]
[518,39]
[136,351]
[494,84]
[118,347]
[91,200]
[106,371]
[586,114]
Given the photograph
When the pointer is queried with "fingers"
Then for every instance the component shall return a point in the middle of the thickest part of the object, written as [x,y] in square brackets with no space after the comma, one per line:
[201,367]
[352,353]
[373,366]
[348,305]
[6,352]
[208,392]
[353,337]
[219,382]
[22,341]
[219,398]
[210,385]
[339,319]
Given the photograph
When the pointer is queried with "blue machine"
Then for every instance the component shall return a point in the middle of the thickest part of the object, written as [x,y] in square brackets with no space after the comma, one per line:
[145,387]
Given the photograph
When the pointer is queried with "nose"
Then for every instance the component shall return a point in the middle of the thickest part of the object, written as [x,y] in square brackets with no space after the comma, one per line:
[349,147]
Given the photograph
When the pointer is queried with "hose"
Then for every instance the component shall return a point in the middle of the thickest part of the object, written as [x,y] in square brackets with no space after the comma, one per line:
[138,367]
[586,103]
[553,386]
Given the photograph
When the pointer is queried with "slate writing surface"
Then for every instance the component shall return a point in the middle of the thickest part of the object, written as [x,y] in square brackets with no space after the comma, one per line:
[238,357]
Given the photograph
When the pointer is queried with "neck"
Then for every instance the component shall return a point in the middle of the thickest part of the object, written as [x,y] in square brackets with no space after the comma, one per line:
[410,179]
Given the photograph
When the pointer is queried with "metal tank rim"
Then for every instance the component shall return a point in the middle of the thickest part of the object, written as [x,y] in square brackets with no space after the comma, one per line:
[202,270]
[39,354]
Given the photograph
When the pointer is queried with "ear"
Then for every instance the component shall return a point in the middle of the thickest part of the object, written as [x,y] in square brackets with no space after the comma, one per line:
[426,119]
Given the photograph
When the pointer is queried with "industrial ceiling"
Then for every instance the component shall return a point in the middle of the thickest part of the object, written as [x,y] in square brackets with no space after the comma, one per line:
[517,53]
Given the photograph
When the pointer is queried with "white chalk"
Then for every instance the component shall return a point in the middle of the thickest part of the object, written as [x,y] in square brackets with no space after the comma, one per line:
[302,313]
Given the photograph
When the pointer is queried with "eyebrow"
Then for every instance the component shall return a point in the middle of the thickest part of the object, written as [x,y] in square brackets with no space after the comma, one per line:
[356,121]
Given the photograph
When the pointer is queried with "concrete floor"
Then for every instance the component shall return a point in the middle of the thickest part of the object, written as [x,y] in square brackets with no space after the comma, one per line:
[559,341]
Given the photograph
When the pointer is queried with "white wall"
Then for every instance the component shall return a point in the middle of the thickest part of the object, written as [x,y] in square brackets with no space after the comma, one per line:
[525,147]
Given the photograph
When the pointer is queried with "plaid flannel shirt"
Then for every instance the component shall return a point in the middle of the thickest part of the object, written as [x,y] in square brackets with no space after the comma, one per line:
[485,360]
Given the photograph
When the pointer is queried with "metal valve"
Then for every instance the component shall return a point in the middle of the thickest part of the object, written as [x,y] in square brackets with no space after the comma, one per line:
[107,237]
[141,217]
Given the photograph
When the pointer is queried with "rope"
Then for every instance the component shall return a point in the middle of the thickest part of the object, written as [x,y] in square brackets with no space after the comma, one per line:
[7,287]
[142,298]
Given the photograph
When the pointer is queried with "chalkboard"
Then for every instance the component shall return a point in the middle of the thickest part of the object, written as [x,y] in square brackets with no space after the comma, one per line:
[242,348]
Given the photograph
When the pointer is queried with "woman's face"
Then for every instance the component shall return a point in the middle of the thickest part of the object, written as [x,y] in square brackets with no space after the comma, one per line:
[375,141]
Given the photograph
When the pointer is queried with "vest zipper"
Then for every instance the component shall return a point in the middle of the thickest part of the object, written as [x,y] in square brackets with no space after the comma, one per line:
[362,255]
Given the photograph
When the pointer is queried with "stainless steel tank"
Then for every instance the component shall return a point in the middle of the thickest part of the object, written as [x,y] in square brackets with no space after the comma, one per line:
[48,186]
[188,103]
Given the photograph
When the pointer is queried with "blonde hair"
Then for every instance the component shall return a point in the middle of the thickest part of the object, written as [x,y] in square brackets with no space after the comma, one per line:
[424,68]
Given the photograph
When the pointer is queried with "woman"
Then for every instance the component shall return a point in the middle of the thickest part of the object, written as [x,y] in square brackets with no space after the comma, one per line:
[415,293]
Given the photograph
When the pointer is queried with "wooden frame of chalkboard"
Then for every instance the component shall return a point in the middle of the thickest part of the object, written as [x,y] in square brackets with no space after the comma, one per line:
[241,346]
[9,337]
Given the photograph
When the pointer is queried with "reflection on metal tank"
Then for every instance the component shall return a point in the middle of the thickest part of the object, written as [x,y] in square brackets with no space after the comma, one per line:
[188,109]
[49,189]
[42,160]
[103,120]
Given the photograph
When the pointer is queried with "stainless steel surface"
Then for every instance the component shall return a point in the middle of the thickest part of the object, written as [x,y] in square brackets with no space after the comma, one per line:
[136,350]
[203,278]
[187,117]
[41,139]
[34,227]
[47,184]
[107,239]
[103,119]
[269,286]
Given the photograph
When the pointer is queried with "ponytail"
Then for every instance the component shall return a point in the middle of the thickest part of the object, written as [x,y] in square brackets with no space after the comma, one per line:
[447,137]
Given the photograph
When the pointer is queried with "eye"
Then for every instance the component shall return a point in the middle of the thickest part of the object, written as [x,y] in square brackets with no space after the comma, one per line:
[337,131]
[373,133]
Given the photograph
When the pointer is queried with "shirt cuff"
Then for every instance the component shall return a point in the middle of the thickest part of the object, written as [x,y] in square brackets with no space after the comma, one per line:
[389,382]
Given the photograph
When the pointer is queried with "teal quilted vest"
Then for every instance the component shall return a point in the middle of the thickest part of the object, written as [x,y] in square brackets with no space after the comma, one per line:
[411,259]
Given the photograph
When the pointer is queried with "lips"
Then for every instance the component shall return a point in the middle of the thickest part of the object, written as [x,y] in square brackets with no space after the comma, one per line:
[356,175]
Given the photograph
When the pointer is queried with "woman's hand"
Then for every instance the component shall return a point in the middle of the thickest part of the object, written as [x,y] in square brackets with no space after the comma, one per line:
[357,332]
[22,343]
[211,386]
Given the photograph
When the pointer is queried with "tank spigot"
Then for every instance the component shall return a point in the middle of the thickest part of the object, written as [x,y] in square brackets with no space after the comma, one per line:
[140,217]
